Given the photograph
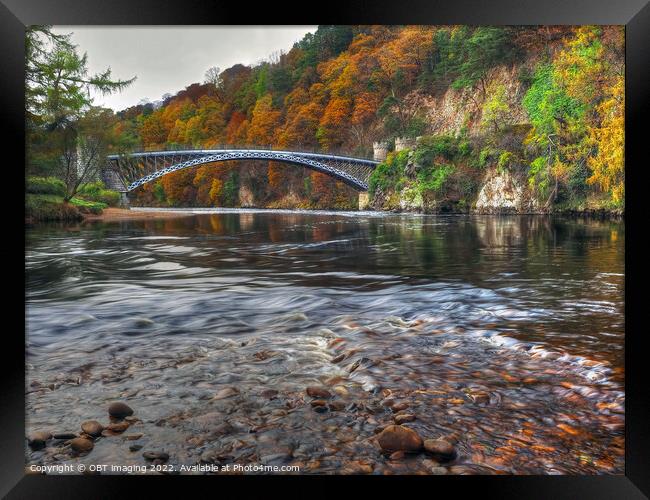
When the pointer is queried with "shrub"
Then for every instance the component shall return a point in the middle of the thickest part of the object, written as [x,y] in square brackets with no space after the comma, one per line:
[84,206]
[43,207]
[45,185]
[389,173]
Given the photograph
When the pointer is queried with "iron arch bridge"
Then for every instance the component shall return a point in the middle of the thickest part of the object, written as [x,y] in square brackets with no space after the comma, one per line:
[127,172]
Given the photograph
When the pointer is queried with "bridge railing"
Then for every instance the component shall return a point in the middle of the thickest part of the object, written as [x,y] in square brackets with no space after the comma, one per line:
[185,147]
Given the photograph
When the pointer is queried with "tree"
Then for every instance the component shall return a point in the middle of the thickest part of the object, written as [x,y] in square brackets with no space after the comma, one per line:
[58,106]
[84,147]
[58,85]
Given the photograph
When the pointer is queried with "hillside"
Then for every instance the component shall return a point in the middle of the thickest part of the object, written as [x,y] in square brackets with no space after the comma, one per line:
[491,119]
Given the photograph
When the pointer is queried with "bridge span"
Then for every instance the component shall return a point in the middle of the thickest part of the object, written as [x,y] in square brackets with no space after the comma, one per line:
[127,172]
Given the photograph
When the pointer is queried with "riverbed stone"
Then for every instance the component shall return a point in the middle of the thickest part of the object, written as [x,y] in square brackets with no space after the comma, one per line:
[399,438]
[81,445]
[318,392]
[117,427]
[156,455]
[228,392]
[119,409]
[92,428]
[38,439]
[63,436]
[440,448]
[404,418]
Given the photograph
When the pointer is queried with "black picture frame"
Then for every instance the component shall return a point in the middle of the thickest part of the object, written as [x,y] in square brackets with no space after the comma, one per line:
[634,14]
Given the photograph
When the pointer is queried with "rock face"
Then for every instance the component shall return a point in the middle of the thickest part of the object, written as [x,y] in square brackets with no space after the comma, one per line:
[399,438]
[502,193]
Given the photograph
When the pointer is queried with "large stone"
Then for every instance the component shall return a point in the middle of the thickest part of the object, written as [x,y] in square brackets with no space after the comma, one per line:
[119,410]
[399,438]
[81,445]
[92,428]
[318,392]
[38,439]
[440,448]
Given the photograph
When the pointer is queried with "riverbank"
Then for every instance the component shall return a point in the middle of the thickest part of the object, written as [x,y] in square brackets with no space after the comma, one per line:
[115,214]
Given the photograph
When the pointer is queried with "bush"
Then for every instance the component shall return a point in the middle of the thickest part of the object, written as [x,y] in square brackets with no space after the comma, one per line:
[45,185]
[389,173]
[84,206]
[44,207]
[95,191]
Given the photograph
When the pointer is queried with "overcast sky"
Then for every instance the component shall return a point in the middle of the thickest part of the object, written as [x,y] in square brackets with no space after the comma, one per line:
[167,59]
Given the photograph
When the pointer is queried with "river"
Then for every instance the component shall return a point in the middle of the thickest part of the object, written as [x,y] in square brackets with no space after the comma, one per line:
[502,335]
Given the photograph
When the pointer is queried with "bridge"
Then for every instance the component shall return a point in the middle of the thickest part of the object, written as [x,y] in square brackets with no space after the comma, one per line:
[127,172]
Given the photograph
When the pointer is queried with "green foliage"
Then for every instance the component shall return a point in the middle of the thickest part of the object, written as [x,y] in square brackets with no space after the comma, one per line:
[547,104]
[45,185]
[95,192]
[435,146]
[504,161]
[464,55]
[230,193]
[49,207]
[389,173]
[159,192]
[434,179]
[85,206]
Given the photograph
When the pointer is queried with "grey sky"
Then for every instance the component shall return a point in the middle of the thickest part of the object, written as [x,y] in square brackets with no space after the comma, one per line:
[167,59]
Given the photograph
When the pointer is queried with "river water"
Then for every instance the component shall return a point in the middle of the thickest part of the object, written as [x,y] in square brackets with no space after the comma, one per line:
[502,335]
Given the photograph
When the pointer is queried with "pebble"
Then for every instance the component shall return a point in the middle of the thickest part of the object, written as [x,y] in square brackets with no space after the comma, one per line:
[92,428]
[135,447]
[404,418]
[156,455]
[81,445]
[119,410]
[320,409]
[269,394]
[318,402]
[440,448]
[228,392]
[399,438]
[38,439]
[397,407]
[318,392]
[336,405]
[133,437]
[117,427]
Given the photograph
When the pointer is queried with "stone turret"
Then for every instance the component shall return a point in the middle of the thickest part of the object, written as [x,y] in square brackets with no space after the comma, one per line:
[402,143]
[380,150]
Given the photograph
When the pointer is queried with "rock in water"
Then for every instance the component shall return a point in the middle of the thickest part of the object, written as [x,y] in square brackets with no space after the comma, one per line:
[92,428]
[118,427]
[119,410]
[64,435]
[440,448]
[81,445]
[318,392]
[399,438]
[404,418]
[38,439]
[228,392]
[156,455]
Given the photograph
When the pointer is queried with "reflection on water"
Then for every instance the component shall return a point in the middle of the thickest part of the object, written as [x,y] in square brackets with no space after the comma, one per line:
[502,334]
